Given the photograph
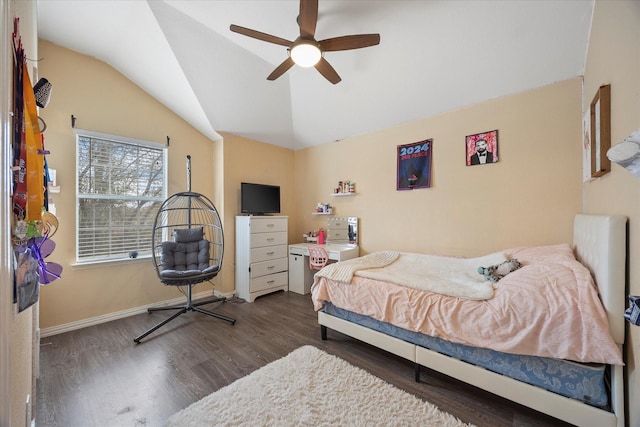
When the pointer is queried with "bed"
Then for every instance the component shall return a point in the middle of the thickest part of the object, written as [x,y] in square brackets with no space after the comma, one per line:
[578,382]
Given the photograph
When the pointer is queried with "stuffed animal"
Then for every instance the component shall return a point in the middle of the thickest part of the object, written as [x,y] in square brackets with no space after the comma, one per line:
[496,272]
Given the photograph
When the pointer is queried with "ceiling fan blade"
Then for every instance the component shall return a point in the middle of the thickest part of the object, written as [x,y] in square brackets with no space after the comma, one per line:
[327,71]
[308,18]
[355,41]
[281,69]
[259,35]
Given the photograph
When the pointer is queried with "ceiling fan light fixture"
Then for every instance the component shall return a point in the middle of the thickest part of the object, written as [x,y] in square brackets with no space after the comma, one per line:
[306,51]
[305,54]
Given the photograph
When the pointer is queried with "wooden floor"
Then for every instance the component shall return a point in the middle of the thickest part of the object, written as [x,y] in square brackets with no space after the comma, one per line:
[97,376]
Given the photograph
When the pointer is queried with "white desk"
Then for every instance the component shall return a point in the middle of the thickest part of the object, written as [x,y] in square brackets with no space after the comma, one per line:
[301,276]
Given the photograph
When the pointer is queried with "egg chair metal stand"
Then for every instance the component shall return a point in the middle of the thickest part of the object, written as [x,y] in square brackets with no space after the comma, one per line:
[187,249]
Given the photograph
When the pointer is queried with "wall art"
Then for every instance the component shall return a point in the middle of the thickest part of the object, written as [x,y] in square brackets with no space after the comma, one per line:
[600,112]
[414,165]
[482,148]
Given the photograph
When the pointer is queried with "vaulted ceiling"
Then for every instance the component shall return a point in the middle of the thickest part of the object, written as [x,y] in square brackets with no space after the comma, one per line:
[434,56]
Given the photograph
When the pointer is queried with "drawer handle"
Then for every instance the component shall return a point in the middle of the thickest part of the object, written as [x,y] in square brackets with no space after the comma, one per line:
[271,282]
[271,225]
[270,239]
[271,267]
[270,253]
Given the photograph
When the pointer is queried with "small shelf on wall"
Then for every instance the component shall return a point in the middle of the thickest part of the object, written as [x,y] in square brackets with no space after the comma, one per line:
[322,213]
[342,194]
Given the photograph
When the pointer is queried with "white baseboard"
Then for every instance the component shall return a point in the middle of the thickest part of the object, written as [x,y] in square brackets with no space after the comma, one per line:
[67,327]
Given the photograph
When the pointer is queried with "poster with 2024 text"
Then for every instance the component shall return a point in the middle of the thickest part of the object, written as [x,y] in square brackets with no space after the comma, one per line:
[414,165]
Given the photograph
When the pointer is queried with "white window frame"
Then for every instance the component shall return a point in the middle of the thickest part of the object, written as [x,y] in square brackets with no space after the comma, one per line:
[142,252]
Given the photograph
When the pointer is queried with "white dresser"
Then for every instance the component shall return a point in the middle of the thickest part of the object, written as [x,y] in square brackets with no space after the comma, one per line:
[261,255]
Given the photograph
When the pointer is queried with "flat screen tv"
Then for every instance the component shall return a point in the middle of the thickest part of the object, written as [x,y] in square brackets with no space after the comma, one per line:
[259,199]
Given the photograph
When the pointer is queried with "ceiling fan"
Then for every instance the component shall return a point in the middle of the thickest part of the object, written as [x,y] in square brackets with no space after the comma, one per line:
[306,51]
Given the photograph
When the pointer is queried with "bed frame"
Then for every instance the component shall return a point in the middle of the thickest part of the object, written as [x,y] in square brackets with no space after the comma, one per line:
[600,244]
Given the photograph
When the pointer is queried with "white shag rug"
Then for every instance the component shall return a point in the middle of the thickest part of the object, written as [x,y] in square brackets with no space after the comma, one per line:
[309,387]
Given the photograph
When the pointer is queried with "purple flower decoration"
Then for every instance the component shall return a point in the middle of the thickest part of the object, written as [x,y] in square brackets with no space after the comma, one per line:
[42,247]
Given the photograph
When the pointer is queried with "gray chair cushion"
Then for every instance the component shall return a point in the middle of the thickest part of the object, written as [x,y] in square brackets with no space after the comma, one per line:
[186,260]
[207,273]
[185,256]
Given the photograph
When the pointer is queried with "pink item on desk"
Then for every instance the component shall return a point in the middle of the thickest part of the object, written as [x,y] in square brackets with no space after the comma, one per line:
[321,237]
[318,257]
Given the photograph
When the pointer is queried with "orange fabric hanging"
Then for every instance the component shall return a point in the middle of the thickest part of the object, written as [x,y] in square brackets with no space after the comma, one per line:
[34,153]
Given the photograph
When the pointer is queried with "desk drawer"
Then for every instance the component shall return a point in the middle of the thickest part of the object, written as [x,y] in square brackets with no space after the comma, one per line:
[270,281]
[266,225]
[259,240]
[269,267]
[268,253]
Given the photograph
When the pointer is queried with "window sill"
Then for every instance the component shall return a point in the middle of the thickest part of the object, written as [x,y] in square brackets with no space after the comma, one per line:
[110,263]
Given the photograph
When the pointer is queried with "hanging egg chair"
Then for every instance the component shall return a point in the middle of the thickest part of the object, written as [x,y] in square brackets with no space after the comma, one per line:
[187,248]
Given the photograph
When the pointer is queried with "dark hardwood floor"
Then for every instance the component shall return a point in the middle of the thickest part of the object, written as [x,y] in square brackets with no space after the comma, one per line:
[97,376]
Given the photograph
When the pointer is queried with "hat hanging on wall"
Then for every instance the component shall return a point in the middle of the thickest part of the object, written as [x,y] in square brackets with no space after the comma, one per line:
[632,314]
[42,91]
[627,153]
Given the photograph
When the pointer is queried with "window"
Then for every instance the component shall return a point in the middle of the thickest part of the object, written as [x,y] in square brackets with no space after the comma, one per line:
[121,184]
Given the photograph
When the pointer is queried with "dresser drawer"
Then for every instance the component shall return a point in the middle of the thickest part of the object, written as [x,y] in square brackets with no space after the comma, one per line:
[269,267]
[270,281]
[259,240]
[268,253]
[265,225]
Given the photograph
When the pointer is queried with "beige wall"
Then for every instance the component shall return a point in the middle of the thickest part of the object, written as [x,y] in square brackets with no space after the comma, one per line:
[246,160]
[614,58]
[528,197]
[103,100]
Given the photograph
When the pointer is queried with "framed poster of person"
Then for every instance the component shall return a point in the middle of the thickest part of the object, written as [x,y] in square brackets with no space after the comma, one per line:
[414,165]
[482,148]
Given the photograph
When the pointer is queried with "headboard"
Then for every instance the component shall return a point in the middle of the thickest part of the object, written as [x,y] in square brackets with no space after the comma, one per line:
[600,243]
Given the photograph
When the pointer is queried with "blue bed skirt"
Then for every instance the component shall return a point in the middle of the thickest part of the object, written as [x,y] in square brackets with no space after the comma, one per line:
[580,381]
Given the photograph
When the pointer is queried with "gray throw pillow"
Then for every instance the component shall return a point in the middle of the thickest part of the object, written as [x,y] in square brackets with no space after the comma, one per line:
[186,235]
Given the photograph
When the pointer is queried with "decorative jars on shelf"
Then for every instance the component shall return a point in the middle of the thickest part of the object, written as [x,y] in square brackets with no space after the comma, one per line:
[323,208]
[345,187]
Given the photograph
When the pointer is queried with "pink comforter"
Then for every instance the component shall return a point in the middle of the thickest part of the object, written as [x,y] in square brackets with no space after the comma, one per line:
[550,307]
